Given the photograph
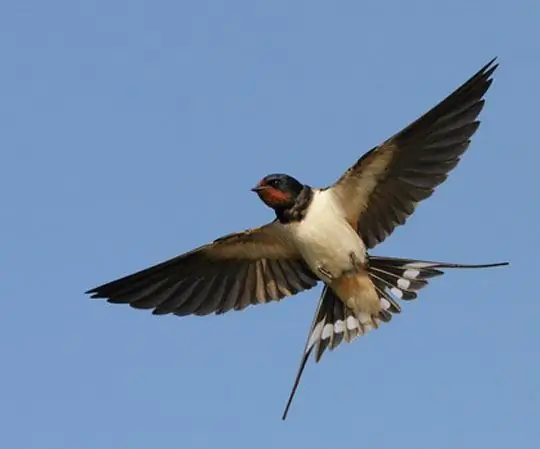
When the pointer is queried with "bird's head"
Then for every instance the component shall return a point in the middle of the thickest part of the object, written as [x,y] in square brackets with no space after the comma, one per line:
[278,191]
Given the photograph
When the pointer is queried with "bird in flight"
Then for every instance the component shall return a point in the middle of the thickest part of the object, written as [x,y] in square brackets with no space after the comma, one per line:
[323,235]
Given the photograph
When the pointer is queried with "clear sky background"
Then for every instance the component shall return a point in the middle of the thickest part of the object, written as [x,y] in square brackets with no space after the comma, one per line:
[131,131]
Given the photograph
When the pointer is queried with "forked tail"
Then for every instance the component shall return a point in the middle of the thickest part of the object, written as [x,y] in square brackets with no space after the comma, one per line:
[401,278]
[394,279]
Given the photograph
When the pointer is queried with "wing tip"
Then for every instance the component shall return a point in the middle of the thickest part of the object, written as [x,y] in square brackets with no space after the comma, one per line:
[491,65]
[94,293]
[485,74]
[488,69]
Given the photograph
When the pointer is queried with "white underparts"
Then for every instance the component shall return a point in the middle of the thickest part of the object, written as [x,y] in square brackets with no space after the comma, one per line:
[325,238]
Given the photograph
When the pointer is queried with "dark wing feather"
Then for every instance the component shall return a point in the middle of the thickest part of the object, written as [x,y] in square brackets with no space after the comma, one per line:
[382,189]
[251,267]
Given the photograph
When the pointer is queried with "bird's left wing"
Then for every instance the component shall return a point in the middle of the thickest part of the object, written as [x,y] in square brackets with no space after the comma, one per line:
[255,266]
[382,189]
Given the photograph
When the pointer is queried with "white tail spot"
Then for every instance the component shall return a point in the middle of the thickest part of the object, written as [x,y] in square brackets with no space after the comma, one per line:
[327,332]
[403,283]
[352,323]
[420,265]
[316,334]
[411,274]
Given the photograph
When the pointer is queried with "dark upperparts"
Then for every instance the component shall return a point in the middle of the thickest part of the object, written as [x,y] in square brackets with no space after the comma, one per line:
[287,196]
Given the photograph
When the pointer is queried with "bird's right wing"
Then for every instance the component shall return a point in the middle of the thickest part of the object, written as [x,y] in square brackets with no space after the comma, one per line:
[251,267]
[381,190]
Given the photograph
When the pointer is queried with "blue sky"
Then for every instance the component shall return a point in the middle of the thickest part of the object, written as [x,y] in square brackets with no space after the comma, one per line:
[131,131]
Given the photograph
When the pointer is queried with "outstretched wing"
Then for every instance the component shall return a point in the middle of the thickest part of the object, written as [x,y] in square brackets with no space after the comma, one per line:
[252,267]
[381,190]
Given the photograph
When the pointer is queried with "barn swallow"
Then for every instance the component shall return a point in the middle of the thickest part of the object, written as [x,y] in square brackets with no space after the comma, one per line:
[323,235]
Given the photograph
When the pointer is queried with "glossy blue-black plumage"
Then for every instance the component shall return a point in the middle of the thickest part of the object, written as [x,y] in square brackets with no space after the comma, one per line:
[284,183]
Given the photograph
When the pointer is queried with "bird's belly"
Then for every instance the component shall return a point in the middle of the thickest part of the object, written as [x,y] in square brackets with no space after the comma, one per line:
[357,292]
[329,245]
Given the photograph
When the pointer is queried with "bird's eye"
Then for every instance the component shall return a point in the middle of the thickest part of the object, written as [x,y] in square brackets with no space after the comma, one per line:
[275,183]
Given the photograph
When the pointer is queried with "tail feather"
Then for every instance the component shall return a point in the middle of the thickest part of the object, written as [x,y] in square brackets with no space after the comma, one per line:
[394,279]
[402,278]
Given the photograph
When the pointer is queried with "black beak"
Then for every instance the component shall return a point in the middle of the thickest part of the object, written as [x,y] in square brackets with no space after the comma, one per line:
[258,188]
